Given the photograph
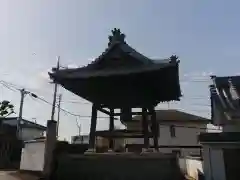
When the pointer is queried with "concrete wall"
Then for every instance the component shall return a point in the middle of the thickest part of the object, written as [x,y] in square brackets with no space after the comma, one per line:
[186,135]
[33,156]
[191,166]
[194,166]
[31,133]
[213,166]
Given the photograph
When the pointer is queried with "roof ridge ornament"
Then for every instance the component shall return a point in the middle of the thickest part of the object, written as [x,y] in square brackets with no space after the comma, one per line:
[116,36]
[174,58]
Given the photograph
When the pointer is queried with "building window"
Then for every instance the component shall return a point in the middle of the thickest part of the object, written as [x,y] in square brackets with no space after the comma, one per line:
[172,131]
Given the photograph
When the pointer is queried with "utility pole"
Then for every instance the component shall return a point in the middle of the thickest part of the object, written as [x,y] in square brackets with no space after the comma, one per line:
[59,108]
[23,93]
[55,91]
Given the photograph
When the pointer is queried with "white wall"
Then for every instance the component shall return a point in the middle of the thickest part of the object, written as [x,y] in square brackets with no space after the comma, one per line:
[191,166]
[186,135]
[33,156]
[31,133]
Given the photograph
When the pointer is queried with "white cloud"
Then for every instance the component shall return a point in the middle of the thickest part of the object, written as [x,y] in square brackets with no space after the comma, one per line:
[198,75]
[72,66]
[40,81]
[44,74]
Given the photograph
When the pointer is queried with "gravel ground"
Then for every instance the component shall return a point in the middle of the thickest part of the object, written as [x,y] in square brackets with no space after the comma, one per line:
[13,175]
[7,175]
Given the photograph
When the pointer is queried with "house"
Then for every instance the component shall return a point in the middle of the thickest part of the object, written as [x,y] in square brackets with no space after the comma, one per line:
[178,132]
[221,151]
[80,139]
[29,130]
[101,140]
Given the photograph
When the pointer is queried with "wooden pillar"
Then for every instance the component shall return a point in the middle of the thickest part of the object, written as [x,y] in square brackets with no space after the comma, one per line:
[126,114]
[154,128]
[111,129]
[145,127]
[93,127]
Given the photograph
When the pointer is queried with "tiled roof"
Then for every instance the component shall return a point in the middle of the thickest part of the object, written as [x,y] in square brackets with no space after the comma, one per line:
[176,115]
[143,63]
[225,95]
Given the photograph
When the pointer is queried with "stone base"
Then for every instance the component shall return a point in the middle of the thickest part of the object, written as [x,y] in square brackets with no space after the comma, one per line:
[149,150]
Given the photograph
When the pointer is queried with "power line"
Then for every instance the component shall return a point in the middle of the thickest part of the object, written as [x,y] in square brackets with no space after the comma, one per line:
[10,86]
[87,103]
[2,82]
[66,111]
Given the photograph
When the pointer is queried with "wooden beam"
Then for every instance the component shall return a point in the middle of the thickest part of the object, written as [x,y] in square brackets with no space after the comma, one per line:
[154,128]
[104,111]
[133,113]
[93,127]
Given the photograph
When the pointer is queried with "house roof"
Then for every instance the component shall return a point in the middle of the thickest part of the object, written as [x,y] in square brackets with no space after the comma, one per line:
[224,93]
[175,115]
[12,121]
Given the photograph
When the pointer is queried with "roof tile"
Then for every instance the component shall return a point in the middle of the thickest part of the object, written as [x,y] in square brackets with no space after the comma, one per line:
[225,93]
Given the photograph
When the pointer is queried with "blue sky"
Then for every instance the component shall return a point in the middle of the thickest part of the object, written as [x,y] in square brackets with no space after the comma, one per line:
[204,34]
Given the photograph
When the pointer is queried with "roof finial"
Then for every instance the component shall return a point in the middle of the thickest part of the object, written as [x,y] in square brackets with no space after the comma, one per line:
[116,36]
[174,58]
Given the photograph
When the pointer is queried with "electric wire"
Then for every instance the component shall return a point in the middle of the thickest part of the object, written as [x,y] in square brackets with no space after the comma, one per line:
[13,87]
[43,100]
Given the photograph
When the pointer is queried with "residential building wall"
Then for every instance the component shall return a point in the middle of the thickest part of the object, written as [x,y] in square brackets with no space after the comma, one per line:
[31,133]
[27,132]
[186,134]
[100,141]
[82,139]
[33,156]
